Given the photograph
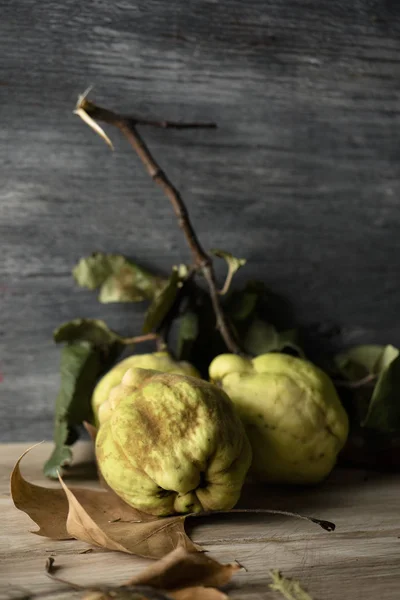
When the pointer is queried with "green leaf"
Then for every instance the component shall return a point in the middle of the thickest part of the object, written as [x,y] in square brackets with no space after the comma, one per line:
[119,279]
[187,334]
[94,331]
[360,361]
[384,409]
[379,407]
[242,305]
[80,367]
[289,339]
[262,337]
[162,302]
[389,354]
[61,455]
[234,264]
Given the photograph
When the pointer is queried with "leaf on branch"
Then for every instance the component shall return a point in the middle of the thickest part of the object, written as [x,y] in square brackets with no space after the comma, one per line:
[381,406]
[162,302]
[242,304]
[234,264]
[370,359]
[119,279]
[99,518]
[256,301]
[262,337]
[384,409]
[94,331]
[81,366]
[188,330]
[289,588]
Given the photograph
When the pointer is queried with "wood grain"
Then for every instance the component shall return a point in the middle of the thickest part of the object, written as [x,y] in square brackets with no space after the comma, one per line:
[360,560]
[302,177]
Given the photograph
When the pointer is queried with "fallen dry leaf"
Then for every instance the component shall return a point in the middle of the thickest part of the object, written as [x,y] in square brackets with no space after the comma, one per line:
[123,594]
[100,518]
[47,507]
[91,429]
[105,592]
[140,534]
[180,569]
[198,593]
[192,593]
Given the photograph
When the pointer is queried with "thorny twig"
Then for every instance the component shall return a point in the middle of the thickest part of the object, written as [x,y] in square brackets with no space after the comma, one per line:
[91,113]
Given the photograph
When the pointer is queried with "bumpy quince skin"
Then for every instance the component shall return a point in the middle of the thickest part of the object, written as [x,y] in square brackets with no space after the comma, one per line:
[293,417]
[159,361]
[172,444]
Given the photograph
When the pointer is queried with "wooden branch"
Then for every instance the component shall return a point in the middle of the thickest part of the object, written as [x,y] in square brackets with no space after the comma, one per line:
[170,124]
[201,259]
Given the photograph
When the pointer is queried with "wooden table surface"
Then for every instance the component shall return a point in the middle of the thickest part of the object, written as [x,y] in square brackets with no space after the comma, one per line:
[360,560]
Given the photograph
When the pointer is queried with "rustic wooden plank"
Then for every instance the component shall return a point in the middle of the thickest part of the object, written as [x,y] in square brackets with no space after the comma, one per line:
[360,560]
[302,176]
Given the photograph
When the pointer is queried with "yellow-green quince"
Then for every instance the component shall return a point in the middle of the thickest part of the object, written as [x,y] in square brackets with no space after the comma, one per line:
[293,416]
[159,361]
[172,444]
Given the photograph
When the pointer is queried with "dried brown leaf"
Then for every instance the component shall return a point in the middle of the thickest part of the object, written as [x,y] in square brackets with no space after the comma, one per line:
[47,507]
[120,593]
[91,429]
[80,111]
[192,593]
[198,593]
[181,568]
[100,518]
[134,533]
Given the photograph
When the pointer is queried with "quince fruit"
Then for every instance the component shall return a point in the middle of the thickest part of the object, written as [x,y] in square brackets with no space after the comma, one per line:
[294,419]
[159,361]
[173,444]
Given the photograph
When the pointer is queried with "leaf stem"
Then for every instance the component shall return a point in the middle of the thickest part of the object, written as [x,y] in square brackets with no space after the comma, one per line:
[228,281]
[201,259]
[138,339]
[327,525]
[354,385]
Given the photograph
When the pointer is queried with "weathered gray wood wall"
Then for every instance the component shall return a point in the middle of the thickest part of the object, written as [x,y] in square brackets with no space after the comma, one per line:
[302,177]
